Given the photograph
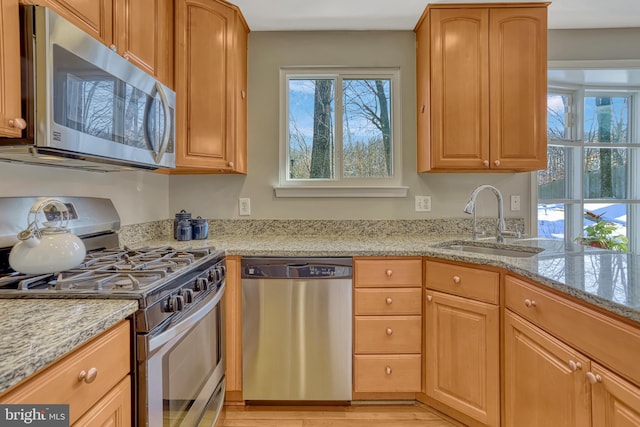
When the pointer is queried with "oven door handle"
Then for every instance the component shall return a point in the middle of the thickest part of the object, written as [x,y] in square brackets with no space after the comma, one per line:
[187,323]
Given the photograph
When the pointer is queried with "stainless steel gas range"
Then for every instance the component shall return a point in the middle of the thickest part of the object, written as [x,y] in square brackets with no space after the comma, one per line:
[178,327]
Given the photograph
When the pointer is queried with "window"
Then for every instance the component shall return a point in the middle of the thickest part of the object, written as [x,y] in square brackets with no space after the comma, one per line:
[592,181]
[340,130]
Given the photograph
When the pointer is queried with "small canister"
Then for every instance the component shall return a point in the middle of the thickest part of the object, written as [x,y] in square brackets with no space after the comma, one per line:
[182,215]
[183,230]
[200,228]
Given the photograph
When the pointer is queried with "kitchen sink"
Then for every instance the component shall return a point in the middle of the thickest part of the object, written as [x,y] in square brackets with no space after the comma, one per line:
[490,248]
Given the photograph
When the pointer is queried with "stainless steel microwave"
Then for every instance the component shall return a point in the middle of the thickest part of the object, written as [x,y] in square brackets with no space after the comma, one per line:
[85,106]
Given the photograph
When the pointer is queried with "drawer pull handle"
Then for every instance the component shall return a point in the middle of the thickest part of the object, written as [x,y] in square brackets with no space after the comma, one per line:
[389,272]
[388,370]
[593,378]
[429,298]
[530,303]
[574,366]
[389,301]
[457,280]
[88,377]
[389,331]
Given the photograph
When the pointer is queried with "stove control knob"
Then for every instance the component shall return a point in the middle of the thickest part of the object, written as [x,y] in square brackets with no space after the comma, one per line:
[214,274]
[202,284]
[175,303]
[187,294]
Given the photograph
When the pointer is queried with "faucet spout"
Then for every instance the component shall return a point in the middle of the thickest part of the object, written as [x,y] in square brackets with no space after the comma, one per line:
[470,208]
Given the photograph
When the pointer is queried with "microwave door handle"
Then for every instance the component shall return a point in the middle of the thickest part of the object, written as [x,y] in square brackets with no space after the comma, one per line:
[166,132]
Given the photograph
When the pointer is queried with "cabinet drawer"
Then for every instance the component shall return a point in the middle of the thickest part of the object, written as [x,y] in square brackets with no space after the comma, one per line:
[380,273]
[463,281]
[388,334]
[609,341]
[388,301]
[60,383]
[393,373]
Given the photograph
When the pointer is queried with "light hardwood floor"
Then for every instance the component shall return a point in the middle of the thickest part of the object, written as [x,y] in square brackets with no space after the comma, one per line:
[333,416]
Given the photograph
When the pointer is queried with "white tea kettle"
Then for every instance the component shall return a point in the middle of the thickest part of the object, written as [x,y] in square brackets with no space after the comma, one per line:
[47,247]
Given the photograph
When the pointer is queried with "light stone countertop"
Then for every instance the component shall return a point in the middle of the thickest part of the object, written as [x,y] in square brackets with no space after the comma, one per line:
[37,332]
[606,279]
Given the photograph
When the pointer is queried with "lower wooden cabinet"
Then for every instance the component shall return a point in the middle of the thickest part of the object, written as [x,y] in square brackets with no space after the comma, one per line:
[545,382]
[614,401]
[462,356]
[93,380]
[387,330]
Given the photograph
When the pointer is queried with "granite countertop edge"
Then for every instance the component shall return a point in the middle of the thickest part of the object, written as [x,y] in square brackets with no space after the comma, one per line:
[423,246]
[48,330]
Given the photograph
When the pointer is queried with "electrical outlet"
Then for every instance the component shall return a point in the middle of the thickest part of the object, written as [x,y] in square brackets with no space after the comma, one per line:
[245,206]
[515,203]
[423,203]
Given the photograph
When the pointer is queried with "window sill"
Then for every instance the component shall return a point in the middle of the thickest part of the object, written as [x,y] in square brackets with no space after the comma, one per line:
[341,191]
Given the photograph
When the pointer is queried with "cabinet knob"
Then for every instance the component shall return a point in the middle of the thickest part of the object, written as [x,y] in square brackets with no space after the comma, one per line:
[389,301]
[113,47]
[486,163]
[230,164]
[88,377]
[530,303]
[388,370]
[18,123]
[593,378]
[574,366]
[457,280]
[389,331]
[429,298]
[243,94]
[389,273]
[496,162]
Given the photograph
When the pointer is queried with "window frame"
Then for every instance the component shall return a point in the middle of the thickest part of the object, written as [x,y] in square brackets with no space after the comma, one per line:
[340,186]
[575,201]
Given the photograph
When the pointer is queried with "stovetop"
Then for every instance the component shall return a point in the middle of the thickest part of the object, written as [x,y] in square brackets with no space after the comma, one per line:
[111,273]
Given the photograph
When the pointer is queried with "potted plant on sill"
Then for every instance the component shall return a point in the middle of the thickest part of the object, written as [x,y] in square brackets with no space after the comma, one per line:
[602,234]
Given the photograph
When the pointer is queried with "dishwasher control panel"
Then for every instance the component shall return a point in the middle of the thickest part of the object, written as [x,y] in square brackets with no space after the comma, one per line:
[296,268]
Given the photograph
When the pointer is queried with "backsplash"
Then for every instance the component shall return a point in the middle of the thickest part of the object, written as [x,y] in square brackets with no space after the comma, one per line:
[131,234]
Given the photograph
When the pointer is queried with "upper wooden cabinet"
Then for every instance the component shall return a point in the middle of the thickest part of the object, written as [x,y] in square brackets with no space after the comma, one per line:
[139,30]
[211,87]
[482,85]
[11,121]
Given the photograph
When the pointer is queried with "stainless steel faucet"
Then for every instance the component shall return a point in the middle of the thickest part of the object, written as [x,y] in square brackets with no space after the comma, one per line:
[470,208]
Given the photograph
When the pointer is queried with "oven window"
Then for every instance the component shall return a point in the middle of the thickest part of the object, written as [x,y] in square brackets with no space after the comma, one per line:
[189,365]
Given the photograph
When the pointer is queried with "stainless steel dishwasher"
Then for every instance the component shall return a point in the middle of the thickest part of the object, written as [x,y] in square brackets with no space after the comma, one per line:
[296,329]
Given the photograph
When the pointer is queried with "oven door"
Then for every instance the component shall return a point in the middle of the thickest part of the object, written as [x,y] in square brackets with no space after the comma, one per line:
[180,370]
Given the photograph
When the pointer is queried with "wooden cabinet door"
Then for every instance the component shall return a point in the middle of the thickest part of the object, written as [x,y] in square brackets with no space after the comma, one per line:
[240,95]
[10,113]
[144,35]
[518,82]
[204,31]
[94,17]
[113,410]
[459,88]
[615,402]
[462,360]
[544,380]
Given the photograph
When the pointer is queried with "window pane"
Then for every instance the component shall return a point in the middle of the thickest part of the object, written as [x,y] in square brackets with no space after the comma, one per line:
[552,182]
[551,220]
[606,119]
[311,129]
[606,173]
[605,225]
[557,109]
[367,144]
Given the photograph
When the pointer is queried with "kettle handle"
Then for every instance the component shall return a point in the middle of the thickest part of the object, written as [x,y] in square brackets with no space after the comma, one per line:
[39,207]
